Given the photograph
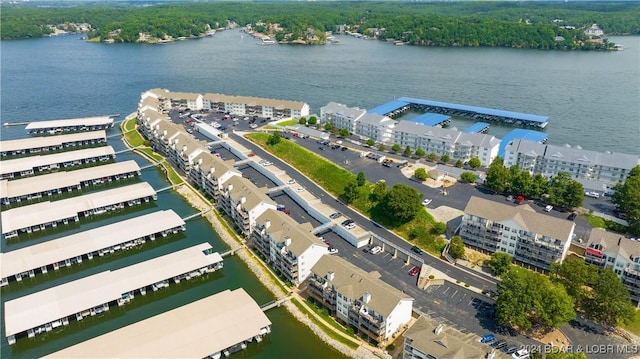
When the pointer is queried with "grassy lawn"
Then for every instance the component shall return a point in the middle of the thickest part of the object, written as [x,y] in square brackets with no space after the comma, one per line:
[327,330]
[634,326]
[599,222]
[172,175]
[288,123]
[333,179]
[324,314]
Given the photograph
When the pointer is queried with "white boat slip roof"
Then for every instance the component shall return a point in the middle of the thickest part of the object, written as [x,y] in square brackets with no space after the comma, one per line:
[53,181]
[45,212]
[86,121]
[27,163]
[195,330]
[43,254]
[67,299]
[38,142]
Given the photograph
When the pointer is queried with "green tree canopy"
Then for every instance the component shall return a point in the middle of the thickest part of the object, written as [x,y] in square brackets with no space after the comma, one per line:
[382,147]
[407,151]
[474,162]
[468,177]
[627,199]
[456,247]
[499,263]
[312,120]
[327,126]
[344,132]
[371,142]
[402,202]
[610,302]
[459,164]
[419,152]
[361,179]
[274,139]
[420,174]
[379,191]
[445,158]
[302,121]
[395,148]
[432,157]
[576,276]
[350,193]
[564,191]
[497,176]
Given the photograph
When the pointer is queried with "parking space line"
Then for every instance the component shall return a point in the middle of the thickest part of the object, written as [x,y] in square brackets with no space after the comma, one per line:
[454,294]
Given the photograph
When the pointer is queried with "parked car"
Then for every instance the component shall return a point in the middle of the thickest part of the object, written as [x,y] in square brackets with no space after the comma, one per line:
[417,250]
[344,148]
[375,250]
[414,271]
[592,194]
[291,181]
[548,208]
[321,148]
[426,202]
[572,216]
[487,338]
[521,354]
[300,189]
[333,250]
[347,222]
[335,215]
[499,344]
[253,125]
[350,226]
[509,198]
[510,350]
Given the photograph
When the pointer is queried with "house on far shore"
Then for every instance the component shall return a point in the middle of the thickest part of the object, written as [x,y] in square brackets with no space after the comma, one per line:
[594,30]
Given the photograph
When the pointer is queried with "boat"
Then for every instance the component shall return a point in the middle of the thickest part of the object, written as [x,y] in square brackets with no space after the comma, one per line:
[267,41]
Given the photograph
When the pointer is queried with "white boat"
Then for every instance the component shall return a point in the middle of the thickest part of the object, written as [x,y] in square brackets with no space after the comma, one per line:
[268,42]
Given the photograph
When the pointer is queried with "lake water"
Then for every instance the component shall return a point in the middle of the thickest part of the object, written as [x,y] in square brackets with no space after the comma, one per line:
[592,99]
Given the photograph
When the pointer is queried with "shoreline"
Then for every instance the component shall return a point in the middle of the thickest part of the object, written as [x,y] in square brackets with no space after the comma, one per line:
[197,201]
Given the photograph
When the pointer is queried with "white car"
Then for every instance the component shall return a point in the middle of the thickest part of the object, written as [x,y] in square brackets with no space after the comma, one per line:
[300,189]
[426,202]
[521,354]
[592,194]
[291,181]
[253,125]
[548,208]
[333,250]
[350,226]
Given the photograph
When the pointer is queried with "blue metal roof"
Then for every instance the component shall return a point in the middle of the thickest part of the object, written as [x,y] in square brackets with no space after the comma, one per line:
[476,127]
[480,110]
[520,134]
[388,107]
[431,119]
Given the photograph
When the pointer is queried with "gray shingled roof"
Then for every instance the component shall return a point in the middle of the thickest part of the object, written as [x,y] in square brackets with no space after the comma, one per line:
[343,110]
[450,343]
[283,226]
[609,241]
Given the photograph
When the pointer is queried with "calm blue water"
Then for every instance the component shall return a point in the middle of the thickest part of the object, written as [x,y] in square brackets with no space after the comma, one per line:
[592,98]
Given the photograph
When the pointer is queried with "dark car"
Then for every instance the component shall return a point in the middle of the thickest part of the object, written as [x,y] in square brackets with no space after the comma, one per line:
[344,148]
[499,344]
[417,250]
[321,148]
[510,350]
[572,216]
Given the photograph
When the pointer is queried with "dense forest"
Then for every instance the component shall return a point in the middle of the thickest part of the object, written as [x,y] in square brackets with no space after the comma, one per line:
[542,25]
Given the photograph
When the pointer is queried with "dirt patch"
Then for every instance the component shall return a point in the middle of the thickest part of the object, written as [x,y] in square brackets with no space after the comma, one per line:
[475,258]
[554,337]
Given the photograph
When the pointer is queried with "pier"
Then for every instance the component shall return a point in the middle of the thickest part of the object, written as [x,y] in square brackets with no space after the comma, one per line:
[275,303]
[29,146]
[200,214]
[71,125]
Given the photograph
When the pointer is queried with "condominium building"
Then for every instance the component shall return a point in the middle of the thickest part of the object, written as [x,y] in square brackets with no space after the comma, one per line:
[531,238]
[287,246]
[428,339]
[244,202]
[209,172]
[341,116]
[618,253]
[375,126]
[255,106]
[360,299]
[608,168]
[184,148]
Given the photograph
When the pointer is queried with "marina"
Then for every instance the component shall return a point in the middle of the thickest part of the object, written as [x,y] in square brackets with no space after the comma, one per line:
[48,185]
[37,217]
[478,127]
[70,125]
[54,307]
[63,252]
[521,134]
[396,107]
[36,145]
[35,165]
[208,328]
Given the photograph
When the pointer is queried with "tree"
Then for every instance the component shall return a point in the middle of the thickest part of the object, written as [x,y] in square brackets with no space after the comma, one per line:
[302,121]
[627,199]
[371,142]
[497,175]
[432,157]
[459,164]
[520,181]
[499,263]
[564,191]
[327,126]
[610,302]
[274,139]
[402,202]
[344,132]
[562,355]
[312,120]
[382,147]
[474,162]
[395,148]
[445,158]
[379,191]
[528,299]
[419,152]
[350,193]
[420,174]
[575,276]
[361,179]
[439,228]
[456,247]
[407,151]
[539,186]
[468,177]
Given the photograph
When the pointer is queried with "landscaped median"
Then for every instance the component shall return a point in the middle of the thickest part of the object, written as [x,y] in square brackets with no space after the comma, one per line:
[422,230]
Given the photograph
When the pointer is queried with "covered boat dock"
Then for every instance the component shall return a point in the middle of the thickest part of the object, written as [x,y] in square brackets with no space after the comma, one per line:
[40,216]
[478,127]
[34,165]
[207,328]
[54,307]
[432,119]
[520,134]
[71,125]
[63,252]
[36,145]
[34,188]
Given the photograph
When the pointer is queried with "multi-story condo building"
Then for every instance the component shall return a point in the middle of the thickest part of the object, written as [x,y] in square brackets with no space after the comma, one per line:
[156,97]
[531,238]
[243,202]
[184,148]
[620,254]
[358,298]
[375,126]
[209,172]
[607,168]
[255,106]
[287,246]
[341,116]
[426,339]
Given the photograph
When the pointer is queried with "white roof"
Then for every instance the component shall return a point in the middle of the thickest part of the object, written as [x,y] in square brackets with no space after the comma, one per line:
[46,141]
[51,304]
[39,255]
[195,330]
[53,181]
[86,121]
[27,163]
[45,212]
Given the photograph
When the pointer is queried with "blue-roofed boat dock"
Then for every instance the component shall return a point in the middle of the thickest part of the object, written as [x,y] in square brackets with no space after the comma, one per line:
[432,119]
[521,134]
[478,127]
[402,104]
